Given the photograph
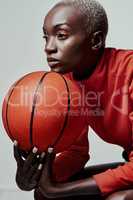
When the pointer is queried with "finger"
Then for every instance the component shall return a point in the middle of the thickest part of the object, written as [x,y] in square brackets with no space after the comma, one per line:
[36,176]
[49,161]
[42,157]
[32,171]
[36,170]
[31,159]
[23,153]
[17,155]
[50,156]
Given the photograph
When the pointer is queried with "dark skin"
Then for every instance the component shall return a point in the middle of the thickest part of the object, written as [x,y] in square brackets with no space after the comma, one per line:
[29,166]
[57,190]
[68,49]
[81,187]
[66,41]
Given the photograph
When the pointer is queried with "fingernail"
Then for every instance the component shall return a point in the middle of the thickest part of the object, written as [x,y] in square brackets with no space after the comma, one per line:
[50,150]
[40,166]
[34,150]
[15,142]
[43,154]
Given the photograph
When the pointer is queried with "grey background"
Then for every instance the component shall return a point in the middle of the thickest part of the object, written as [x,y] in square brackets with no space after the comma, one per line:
[21,51]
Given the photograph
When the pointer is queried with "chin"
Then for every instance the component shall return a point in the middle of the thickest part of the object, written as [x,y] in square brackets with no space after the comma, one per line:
[59,70]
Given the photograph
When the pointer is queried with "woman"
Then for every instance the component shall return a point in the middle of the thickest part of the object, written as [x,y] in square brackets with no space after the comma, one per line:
[75,33]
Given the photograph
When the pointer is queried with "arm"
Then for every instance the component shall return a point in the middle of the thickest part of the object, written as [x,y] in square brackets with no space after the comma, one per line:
[116,179]
[56,190]
[86,186]
[121,177]
[72,160]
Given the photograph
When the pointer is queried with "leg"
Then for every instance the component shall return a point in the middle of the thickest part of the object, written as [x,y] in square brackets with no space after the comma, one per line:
[38,196]
[121,195]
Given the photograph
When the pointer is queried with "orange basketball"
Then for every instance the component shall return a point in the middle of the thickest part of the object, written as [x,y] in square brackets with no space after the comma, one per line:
[43,109]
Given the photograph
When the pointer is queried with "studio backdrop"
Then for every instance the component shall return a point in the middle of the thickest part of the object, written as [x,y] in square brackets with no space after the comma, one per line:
[22,51]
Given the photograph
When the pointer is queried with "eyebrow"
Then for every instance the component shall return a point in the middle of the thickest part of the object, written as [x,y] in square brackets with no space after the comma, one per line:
[56,26]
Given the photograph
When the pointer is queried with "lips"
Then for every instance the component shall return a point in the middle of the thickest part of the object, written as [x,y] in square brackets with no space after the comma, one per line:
[53,62]
[50,59]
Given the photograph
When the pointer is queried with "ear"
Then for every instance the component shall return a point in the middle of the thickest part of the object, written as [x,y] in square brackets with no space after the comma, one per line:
[97,40]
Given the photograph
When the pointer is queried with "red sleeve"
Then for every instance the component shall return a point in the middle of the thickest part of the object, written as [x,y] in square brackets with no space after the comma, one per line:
[116,179]
[122,177]
[73,160]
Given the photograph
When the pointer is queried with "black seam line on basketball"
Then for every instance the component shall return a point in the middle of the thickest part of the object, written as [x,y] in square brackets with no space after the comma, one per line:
[67,114]
[7,107]
[33,107]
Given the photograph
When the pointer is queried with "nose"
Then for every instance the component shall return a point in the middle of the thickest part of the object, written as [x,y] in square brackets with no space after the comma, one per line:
[50,46]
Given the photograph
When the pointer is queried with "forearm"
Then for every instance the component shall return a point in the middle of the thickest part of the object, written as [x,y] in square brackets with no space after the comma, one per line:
[81,187]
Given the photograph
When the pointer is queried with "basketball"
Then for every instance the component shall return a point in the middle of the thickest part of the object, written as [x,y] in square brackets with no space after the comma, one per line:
[43,109]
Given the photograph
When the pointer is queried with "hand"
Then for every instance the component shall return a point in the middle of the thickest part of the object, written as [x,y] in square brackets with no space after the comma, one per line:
[28,169]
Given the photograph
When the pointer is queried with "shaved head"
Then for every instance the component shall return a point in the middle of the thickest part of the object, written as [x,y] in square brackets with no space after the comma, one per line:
[95,17]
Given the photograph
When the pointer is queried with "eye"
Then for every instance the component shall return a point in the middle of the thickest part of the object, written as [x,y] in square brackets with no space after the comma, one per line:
[45,36]
[62,35]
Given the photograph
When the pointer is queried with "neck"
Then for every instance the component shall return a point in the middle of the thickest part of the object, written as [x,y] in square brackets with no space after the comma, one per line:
[87,69]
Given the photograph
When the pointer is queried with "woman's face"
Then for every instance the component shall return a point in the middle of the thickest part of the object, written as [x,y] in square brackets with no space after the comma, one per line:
[66,45]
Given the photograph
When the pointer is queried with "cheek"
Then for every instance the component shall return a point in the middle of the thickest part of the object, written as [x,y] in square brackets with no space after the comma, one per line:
[71,49]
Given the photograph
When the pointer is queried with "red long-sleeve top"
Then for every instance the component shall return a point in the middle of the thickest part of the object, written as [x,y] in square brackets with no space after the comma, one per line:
[109,111]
